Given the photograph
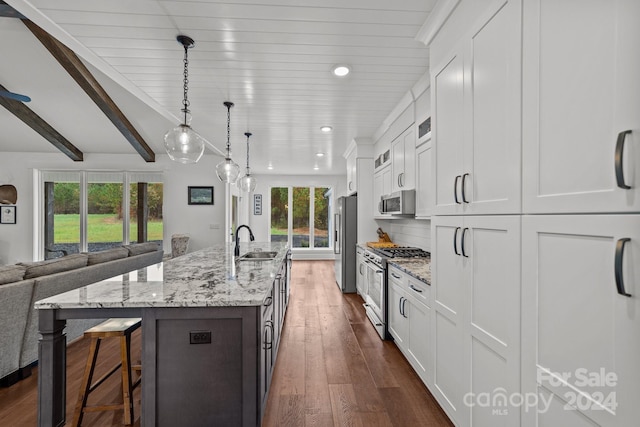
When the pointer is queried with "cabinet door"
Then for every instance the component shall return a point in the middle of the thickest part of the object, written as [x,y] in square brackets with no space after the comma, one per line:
[352,174]
[491,177]
[408,178]
[448,119]
[398,325]
[491,245]
[448,295]
[361,278]
[575,323]
[420,349]
[424,187]
[397,163]
[575,108]
[377,192]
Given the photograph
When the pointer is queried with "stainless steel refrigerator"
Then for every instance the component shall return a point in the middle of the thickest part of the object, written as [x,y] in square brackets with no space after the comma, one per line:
[344,242]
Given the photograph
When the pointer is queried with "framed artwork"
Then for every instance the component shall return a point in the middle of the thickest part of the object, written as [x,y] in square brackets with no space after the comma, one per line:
[200,195]
[7,214]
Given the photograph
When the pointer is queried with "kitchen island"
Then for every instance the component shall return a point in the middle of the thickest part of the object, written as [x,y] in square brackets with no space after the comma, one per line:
[210,328]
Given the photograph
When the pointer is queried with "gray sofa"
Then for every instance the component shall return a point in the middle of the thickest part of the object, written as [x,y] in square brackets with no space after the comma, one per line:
[23,284]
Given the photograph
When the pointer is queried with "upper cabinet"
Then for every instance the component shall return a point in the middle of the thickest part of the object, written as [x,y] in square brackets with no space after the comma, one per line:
[476,94]
[581,115]
[403,150]
[424,155]
[352,173]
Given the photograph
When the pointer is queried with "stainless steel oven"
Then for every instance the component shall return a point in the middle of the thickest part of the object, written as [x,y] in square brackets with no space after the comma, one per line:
[376,295]
[375,304]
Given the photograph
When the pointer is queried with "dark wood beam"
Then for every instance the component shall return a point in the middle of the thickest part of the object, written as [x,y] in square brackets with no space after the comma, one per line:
[90,85]
[37,123]
[7,11]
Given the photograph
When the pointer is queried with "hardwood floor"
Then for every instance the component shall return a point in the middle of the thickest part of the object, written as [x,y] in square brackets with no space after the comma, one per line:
[332,369]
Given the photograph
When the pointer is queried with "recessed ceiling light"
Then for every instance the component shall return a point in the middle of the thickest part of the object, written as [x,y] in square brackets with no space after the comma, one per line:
[315,168]
[319,154]
[341,70]
[270,167]
[326,129]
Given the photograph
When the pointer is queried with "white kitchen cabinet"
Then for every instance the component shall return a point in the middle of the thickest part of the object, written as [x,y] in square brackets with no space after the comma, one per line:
[476,93]
[410,320]
[576,110]
[403,150]
[361,272]
[576,323]
[352,173]
[476,316]
[381,186]
[424,181]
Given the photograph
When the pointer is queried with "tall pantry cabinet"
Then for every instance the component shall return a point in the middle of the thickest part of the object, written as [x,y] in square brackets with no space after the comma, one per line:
[476,258]
[581,158]
[536,144]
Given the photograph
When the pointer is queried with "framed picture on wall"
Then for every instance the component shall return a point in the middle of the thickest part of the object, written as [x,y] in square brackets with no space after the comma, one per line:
[200,195]
[7,214]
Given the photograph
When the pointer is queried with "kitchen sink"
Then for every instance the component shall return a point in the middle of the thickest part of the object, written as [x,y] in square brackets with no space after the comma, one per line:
[258,256]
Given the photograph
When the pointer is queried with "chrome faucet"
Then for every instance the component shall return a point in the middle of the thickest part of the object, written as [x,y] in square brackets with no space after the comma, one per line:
[236,250]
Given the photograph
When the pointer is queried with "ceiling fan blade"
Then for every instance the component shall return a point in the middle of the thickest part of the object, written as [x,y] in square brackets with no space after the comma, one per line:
[16,96]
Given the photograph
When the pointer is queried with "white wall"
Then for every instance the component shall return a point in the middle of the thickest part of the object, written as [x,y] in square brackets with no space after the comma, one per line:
[16,241]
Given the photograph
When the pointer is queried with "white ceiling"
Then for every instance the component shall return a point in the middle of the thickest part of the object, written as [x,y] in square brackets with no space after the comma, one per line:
[272,58]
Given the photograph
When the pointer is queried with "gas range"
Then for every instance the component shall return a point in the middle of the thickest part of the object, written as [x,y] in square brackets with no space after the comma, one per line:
[402,252]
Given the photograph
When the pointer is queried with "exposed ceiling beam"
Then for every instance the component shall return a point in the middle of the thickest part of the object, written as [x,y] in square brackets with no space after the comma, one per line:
[7,11]
[35,122]
[90,85]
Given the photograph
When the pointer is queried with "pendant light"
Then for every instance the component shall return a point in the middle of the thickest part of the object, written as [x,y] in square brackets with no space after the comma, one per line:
[182,143]
[248,182]
[228,170]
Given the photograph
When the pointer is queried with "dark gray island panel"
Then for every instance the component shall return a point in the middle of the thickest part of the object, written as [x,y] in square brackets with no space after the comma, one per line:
[202,383]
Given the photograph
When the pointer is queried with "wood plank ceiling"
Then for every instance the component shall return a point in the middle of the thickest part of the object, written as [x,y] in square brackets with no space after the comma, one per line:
[272,58]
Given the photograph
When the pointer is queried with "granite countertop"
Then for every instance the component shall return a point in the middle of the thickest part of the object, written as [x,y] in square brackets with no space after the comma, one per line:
[206,278]
[420,268]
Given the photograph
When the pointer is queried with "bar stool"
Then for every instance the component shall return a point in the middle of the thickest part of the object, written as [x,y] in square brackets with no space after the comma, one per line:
[115,327]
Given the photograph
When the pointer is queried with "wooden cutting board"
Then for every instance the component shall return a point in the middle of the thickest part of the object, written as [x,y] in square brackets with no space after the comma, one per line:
[382,245]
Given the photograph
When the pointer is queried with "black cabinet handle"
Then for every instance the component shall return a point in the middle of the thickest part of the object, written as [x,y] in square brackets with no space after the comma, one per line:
[464,233]
[618,266]
[464,197]
[400,306]
[404,313]
[618,159]
[455,189]
[268,301]
[396,276]
[415,289]
[455,241]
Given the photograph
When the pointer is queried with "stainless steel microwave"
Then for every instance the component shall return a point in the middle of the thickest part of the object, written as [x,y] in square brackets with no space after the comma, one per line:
[398,203]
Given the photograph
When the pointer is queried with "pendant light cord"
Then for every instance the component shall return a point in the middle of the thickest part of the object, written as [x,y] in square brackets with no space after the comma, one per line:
[185,84]
[228,105]
[248,134]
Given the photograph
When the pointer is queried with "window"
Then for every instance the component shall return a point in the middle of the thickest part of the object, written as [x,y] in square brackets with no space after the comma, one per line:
[93,211]
[306,224]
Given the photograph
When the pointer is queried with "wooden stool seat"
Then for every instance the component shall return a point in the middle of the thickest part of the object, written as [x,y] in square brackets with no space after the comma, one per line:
[115,327]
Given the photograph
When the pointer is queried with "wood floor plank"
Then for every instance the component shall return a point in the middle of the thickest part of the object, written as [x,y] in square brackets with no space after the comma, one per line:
[344,405]
[332,369]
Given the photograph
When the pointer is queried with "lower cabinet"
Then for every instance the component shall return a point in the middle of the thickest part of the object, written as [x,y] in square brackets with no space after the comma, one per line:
[361,272]
[409,320]
[475,268]
[581,320]
[272,319]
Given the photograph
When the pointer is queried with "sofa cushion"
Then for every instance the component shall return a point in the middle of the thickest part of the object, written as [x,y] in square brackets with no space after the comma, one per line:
[142,248]
[107,255]
[12,273]
[56,265]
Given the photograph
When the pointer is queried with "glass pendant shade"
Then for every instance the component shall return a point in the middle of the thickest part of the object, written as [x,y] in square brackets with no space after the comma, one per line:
[247,183]
[183,144]
[228,171]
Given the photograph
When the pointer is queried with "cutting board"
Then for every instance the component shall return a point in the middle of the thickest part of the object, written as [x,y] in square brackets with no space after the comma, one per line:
[382,245]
